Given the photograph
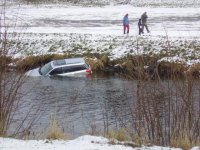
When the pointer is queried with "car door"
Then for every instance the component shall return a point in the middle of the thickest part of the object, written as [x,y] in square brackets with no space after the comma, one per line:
[74,70]
[67,70]
[79,70]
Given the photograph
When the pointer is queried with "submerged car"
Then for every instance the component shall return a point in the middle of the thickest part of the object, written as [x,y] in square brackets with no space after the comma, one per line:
[63,67]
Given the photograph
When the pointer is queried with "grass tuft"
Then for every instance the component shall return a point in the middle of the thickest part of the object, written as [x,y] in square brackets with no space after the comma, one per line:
[120,135]
[183,142]
[55,132]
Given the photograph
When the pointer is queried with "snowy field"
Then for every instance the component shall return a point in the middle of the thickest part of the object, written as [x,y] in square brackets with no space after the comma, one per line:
[136,3]
[82,143]
[78,30]
[175,22]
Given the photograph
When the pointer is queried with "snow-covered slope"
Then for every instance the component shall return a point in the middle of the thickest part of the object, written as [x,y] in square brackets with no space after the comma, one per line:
[82,143]
[181,50]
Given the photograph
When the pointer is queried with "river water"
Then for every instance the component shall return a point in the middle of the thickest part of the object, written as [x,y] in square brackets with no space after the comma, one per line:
[92,105]
[81,105]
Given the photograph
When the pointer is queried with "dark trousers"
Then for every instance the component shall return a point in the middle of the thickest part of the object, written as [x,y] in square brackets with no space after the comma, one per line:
[140,31]
[145,25]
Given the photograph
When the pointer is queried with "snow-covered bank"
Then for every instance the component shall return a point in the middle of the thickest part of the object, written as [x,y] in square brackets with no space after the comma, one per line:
[185,51]
[82,143]
[77,30]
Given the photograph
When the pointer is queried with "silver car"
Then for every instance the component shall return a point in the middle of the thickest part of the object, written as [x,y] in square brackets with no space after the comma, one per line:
[63,67]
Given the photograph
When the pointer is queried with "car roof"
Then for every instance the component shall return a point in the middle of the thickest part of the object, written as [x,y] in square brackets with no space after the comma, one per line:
[68,61]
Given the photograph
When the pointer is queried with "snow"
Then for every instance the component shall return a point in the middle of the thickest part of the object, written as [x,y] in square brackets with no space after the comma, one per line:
[70,29]
[149,3]
[196,148]
[172,59]
[85,142]
[178,22]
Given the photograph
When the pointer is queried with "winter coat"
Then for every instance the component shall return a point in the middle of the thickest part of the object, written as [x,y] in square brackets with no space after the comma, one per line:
[125,20]
[139,24]
[144,18]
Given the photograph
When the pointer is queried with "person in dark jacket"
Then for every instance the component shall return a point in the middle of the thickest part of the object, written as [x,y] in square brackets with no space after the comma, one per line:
[126,24]
[140,27]
[144,22]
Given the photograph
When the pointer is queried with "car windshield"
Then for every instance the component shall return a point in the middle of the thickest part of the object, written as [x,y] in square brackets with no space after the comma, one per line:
[46,68]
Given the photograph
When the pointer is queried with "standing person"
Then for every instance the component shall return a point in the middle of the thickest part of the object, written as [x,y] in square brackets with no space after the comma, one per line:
[140,27]
[144,22]
[126,24]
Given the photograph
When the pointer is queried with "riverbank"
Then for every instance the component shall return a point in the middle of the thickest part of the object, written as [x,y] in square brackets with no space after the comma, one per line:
[82,143]
[78,31]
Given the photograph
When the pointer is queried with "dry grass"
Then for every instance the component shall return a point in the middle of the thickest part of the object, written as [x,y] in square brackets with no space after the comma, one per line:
[54,131]
[194,71]
[36,61]
[96,64]
[183,142]
[120,135]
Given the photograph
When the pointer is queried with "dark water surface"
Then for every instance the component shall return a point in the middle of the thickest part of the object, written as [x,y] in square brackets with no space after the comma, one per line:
[79,104]
[92,105]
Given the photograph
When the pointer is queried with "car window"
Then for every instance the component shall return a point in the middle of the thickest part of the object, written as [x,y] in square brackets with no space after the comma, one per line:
[78,68]
[56,71]
[46,68]
[66,69]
